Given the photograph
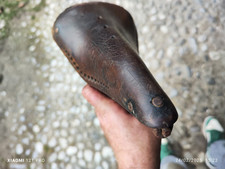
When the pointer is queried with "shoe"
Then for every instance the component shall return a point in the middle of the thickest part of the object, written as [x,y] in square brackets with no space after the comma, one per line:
[212,130]
[100,41]
[165,149]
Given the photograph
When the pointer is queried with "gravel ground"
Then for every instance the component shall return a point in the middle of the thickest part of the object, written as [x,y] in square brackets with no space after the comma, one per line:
[43,116]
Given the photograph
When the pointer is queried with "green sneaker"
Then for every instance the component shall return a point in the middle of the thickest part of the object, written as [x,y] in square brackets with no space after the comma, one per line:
[165,149]
[212,130]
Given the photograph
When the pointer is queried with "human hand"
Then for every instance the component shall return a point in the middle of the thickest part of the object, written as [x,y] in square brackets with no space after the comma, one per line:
[134,145]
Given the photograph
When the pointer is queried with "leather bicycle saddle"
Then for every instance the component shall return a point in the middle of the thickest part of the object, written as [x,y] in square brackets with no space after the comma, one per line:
[100,41]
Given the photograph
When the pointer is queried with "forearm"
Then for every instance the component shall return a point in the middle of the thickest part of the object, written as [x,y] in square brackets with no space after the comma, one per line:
[146,158]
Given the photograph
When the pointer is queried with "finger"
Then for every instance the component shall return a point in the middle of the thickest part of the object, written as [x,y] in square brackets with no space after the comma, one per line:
[103,104]
[93,96]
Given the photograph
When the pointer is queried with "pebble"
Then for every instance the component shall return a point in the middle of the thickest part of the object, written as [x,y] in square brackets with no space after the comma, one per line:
[96,122]
[27,152]
[105,165]
[173,93]
[170,51]
[32,48]
[22,118]
[82,163]
[61,155]
[39,147]
[64,124]
[97,146]
[106,152]
[71,150]
[193,45]
[56,124]
[202,38]
[40,108]
[164,29]
[36,128]
[97,157]
[52,157]
[88,155]
[25,141]
[214,55]
[52,142]
[2,24]
[63,142]
[204,47]
[211,81]
[19,149]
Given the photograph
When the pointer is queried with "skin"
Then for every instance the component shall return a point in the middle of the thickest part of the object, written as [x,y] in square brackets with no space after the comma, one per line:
[134,144]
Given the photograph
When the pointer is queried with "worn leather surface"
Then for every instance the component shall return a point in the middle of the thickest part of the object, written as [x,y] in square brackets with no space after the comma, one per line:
[100,41]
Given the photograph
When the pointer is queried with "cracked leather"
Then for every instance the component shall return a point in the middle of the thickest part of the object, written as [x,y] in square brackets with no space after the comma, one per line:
[100,41]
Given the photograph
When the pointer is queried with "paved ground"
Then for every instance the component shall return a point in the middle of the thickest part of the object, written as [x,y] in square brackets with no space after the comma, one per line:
[43,115]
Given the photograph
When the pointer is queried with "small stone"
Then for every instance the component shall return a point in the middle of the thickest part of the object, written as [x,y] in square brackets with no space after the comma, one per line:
[44,139]
[80,154]
[52,157]
[153,11]
[214,55]
[96,122]
[173,93]
[170,51]
[82,163]
[97,157]
[193,45]
[202,38]
[56,124]
[39,147]
[145,29]
[88,155]
[71,150]
[204,47]
[161,16]
[80,146]
[106,152]
[23,24]
[63,142]
[105,165]
[40,108]
[28,151]
[25,141]
[160,54]
[36,128]
[52,142]
[64,124]
[61,155]
[194,129]
[154,64]
[19,149]
[211,81]
[32,48]
[98,146]
[63,133]
[2,24]
[22,118]
[69,166]
[164,29]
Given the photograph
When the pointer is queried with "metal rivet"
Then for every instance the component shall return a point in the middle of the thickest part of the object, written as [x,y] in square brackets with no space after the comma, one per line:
[106,26]
[130,107]
[100,17]
[157,101]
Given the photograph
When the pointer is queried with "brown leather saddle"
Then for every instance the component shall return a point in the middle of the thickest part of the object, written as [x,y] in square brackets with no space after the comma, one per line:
[100,41]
